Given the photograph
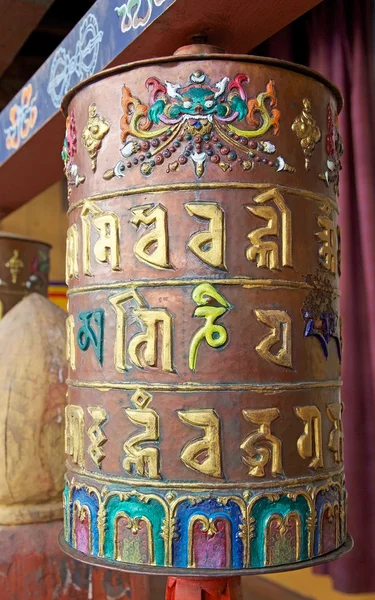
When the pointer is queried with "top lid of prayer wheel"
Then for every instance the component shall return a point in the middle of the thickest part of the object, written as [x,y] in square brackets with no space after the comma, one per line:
[197,51]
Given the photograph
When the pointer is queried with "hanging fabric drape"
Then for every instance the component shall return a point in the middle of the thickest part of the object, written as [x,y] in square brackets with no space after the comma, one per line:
[335,39]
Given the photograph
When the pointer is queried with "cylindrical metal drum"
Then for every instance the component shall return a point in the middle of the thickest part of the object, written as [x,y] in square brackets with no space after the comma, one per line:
[24,268]
[203,430]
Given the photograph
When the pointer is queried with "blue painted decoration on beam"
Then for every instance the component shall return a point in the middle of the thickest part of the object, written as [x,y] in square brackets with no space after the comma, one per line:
[100,36]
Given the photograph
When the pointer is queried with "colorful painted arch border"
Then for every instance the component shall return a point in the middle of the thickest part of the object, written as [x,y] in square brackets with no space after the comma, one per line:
[200,530]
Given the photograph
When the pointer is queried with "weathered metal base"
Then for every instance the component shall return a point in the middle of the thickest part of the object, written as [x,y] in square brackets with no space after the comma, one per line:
[171,571]
[219,588]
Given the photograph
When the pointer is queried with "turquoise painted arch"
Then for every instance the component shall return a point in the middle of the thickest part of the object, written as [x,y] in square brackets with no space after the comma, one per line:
[151,509]
[66,501]
[262,510]
[66,511]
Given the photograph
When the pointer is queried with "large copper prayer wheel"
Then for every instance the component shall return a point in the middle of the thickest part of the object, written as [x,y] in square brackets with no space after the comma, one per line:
[203,431]
[24,268]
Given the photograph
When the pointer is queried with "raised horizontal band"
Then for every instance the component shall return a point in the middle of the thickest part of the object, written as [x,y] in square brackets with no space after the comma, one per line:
[193,387]
[209,185]
[183,485]
[246,282]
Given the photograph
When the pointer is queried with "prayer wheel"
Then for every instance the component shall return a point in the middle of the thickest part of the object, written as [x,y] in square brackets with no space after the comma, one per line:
[24,268]
[203,426]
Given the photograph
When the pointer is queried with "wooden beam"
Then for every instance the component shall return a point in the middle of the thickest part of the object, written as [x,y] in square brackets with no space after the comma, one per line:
[18,18]
[31,126]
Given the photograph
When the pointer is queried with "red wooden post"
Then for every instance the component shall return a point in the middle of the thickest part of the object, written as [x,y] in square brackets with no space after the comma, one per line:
[193,588]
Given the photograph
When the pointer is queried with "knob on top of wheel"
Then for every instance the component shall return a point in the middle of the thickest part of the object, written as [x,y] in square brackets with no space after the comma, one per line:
[203,430]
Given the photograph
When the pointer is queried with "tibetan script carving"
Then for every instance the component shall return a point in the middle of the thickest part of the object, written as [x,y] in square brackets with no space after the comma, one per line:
[87,336]
[328,249]
[264,251]
[96,434]
[261,446]
[281,333]
[143,348]
[74,434]
[106,247]
[70,342]
[152,247]
[71,264]
[208,245]
[215,335]
[203,454]
[309,444]
[336,436]
[145,460]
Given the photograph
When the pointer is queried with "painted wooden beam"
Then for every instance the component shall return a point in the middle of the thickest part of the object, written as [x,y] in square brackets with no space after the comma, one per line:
[18,18]
[112,32]
[96,41]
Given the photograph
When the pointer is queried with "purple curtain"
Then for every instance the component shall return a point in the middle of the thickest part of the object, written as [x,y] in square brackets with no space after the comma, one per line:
[335,39]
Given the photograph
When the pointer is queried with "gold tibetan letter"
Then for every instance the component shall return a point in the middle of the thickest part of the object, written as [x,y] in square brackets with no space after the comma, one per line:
[215,335]
[71,264]
[70,344]
[309,444]
[74,434]
[281,325]
[266,252]
[203,454]
[261,445]
[152,247]
[328,249]
[118,301]
[336,436]
[107,247]
[208,245]
[143,347]
[144,459]
[96,434]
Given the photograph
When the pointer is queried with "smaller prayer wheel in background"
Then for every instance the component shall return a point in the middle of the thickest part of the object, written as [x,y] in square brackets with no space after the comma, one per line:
[24,268]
